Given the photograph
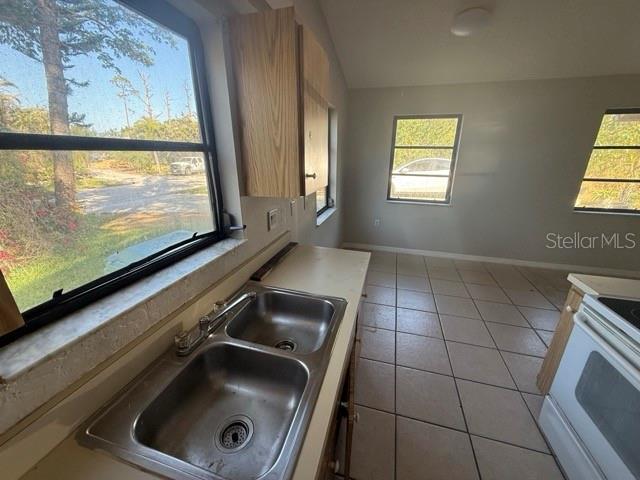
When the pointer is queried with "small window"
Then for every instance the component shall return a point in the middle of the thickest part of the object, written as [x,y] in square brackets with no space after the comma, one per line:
[107,168]
[612,180]
[423,158]
[323,196]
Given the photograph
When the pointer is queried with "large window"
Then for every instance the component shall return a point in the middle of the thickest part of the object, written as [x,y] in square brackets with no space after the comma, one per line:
[423,157]
[612,180]
[107,169]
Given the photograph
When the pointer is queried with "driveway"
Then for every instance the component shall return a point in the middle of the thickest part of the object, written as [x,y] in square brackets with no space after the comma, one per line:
[140,193]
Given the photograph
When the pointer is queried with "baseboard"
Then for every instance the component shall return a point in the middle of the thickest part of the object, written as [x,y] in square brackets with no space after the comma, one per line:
[512,261]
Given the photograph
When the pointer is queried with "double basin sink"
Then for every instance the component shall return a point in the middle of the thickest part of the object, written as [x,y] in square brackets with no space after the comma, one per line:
[238,406]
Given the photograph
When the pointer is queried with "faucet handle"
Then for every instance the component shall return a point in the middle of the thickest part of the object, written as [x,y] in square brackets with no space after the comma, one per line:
[181,340]
[204,322]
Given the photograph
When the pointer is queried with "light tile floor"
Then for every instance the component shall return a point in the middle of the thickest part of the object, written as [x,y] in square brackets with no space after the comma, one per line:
[446,382]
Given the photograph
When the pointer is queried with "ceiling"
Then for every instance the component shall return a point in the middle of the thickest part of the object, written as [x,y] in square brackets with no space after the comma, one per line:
[387,43]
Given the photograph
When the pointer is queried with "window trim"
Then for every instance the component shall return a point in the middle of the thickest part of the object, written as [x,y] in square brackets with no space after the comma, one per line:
[452,167]
[628,211]
[327,188]
[62,304]
[326,205]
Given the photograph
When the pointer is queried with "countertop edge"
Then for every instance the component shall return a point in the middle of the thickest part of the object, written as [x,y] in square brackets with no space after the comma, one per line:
[599,285]
[293,273]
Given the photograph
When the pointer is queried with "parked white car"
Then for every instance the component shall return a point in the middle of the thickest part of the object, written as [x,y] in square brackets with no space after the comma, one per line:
[409,186]
[187,166]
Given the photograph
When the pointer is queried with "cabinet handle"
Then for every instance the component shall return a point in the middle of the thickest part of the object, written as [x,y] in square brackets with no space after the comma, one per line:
[334,466]
[310,175]
[570,309]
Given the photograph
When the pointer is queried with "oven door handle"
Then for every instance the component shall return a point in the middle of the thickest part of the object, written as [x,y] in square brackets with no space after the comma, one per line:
[626,365]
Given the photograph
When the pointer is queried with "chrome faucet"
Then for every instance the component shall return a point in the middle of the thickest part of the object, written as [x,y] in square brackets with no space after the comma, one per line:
[188,340]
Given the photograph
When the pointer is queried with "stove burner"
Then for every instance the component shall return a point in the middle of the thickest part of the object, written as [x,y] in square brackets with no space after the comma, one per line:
[627,309]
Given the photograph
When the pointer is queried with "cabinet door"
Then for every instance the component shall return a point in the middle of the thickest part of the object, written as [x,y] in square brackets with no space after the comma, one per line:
[265,64]
[10,317]
[315,113]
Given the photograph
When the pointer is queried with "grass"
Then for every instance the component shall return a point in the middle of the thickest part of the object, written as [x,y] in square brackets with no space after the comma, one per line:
[83,260]
[87,183]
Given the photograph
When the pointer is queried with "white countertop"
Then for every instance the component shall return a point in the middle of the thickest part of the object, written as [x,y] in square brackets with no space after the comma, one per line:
[318,270]
[597,285]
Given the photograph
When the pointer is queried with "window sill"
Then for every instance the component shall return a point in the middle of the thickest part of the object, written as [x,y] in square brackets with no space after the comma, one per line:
[38,366]
[324,216]
[410,202]
[602,212]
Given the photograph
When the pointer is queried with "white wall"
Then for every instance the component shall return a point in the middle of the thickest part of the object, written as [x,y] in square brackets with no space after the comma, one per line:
[523,151]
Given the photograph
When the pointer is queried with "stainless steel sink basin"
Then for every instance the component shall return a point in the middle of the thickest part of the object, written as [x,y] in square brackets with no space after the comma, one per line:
[237,407]
[226,400]
[284,320]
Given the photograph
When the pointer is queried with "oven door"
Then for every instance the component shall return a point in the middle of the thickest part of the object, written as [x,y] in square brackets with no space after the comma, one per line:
[597,387]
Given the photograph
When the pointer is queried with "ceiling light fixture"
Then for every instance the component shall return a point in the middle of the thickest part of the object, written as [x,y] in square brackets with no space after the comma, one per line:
[470,21]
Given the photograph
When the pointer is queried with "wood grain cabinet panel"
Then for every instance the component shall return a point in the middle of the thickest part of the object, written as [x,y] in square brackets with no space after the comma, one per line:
[315,86]
[281,78]
[10,317]
[559,340]
[265,65]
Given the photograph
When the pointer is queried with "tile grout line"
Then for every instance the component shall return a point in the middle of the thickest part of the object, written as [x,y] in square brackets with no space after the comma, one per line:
[454,429]
[464,416]
[514,389]
[453,376]
[520,392]
[456,341]
[506,366]
[395,379]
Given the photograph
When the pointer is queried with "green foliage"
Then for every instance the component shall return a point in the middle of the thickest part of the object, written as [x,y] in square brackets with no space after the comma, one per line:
[619,129]
[30,223]
[426,132]
[88,27]
[78,260]
[615,130]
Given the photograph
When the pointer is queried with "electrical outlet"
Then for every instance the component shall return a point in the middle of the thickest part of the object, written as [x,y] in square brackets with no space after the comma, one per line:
[376,222]
[273,219]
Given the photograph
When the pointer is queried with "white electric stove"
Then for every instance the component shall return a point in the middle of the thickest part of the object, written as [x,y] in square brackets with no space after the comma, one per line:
[591,416]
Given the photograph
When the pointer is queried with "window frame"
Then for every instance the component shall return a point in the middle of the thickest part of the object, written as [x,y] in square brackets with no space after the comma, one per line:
[627,211]
[452,167]
[62,304]
[327,188]
[326,204]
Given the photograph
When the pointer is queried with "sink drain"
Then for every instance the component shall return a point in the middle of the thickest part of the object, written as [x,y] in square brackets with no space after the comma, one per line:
[287,345]
[234,434]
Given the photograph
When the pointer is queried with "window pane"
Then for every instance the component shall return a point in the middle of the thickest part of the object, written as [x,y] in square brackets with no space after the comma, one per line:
[419,188]
[619,195]
[616,163]
[130,80]
[426,131]
[431,161]
[619,129]
[124,207]
[321,199]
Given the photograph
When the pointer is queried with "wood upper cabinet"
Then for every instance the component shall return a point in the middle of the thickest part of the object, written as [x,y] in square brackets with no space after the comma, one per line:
[281,83]
[315,86]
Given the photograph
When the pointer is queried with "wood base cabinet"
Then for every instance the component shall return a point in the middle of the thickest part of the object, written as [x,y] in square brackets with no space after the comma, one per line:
[559,340]
[336,457]
[281,76]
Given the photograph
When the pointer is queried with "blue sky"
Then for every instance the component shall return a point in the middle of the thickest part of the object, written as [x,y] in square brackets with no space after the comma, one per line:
[99,101]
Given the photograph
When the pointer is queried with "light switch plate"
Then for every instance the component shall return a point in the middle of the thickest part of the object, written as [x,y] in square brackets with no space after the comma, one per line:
[273,219]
